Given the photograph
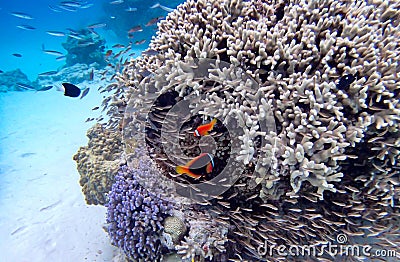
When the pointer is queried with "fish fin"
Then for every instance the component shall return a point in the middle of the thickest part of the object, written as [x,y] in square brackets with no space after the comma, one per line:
[182,169]
[185,170]
[214,121]
[192,175]
[209,168]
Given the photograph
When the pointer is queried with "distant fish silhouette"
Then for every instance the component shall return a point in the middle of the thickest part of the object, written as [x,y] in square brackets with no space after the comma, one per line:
[17,55]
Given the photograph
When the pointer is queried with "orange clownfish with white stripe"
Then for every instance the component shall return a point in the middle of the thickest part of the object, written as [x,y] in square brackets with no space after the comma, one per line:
[203,130]
[198,166]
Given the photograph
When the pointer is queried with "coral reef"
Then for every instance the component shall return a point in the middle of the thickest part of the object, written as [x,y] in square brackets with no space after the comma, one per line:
[76,73]
[98,162]
[135,215]
[87,49]
[307,94]
[9,80]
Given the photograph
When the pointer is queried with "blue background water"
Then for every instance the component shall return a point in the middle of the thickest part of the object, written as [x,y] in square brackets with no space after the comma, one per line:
[29,43]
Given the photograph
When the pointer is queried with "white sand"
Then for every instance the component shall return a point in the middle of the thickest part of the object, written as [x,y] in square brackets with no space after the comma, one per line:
[43,214]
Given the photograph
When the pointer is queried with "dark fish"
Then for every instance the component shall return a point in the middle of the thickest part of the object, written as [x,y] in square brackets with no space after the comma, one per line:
[22,15]
[197,167]
[89,119]
[71,90]
[95,108]
[26,27]
[45,88]
[154,20]
[135,29]
[17,55]
[1,71]
[84,93]
[345,82]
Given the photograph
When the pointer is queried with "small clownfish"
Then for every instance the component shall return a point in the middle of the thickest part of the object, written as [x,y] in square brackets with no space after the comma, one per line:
[205,129]
[198,166]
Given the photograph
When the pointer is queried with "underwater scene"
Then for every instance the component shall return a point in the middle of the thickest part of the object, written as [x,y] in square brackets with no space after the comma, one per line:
[194,131]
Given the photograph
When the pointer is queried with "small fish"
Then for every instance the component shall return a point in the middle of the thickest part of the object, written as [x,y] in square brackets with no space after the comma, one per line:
[71,4]
[60,58]
[108,53]
[167,9]
[135,29]
[116,2]
[26,27]
[85,92]
[68,8]
[154,20]
[95,108]
[70,90]
[1,71]
[25,86]
[54,9]
[140,42]
[131,9]
[345,82]
[17,55]
[22,15]
[52,52]
[89,119]
[205,129]
[97,25]
[150,52]
[49,73]
[197,167]
[91,75]
[45,88]
[55,33]
[118,46]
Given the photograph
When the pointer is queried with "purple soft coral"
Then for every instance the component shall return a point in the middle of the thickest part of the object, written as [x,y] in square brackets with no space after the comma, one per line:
[134,215]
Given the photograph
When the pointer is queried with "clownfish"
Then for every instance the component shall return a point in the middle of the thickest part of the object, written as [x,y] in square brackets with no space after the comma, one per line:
[198,166]
[205,129]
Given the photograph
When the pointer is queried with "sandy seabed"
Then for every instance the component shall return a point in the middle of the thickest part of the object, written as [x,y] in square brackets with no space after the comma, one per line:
[43,214]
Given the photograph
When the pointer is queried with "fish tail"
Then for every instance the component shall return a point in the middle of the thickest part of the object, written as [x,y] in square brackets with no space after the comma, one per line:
[185,170]
[214,121]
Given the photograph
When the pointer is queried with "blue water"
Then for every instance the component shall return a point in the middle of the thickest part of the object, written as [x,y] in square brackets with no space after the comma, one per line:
[44,216]
[29,43]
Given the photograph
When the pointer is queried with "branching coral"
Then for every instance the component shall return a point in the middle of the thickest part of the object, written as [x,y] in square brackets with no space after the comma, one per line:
[307,98]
